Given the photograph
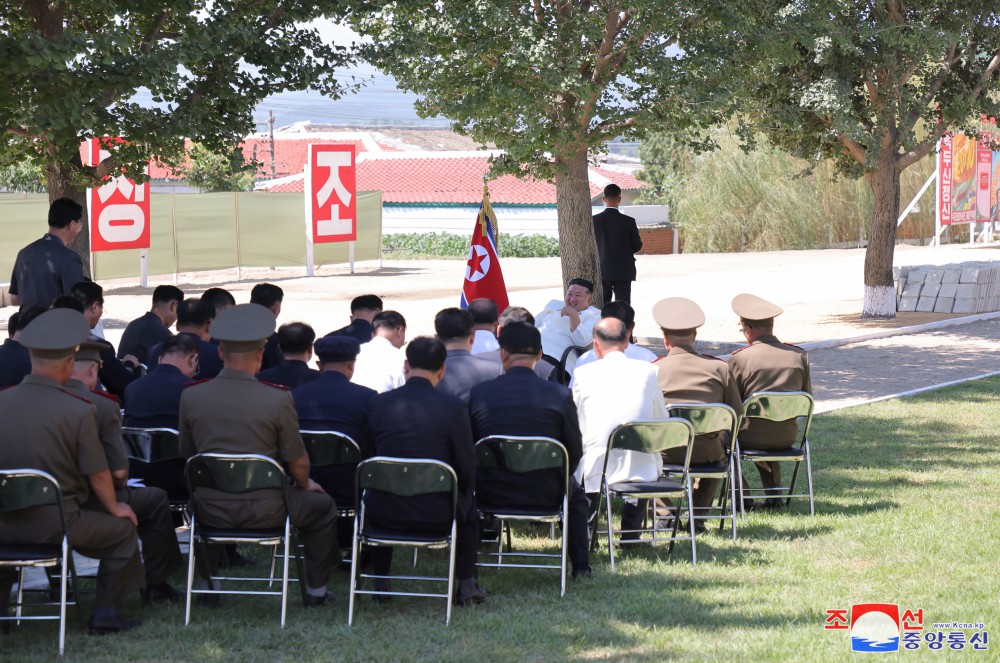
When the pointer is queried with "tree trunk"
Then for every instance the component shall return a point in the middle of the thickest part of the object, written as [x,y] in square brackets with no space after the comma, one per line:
[577,246]
[880,290]
[60,184]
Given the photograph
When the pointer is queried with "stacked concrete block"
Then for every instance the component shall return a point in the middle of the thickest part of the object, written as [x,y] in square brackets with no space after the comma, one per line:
[972,287]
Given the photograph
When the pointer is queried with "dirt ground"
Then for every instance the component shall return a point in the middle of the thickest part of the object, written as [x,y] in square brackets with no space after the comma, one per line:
[821,292]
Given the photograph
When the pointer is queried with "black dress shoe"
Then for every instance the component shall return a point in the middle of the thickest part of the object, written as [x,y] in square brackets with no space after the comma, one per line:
[161,591]
[382,585]
[470,593]
[774,503]
[115,624]
[699,527]
[585,572]
[317,601]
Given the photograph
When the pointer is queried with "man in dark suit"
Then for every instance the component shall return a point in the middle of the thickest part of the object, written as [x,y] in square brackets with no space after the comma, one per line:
[617,243]
[194,317]
[154,400]
[47,267]
[454,328]
[364,308]
[154,326]
[15,360]
[295,339]
[270,297]
[418,421]
[520,403]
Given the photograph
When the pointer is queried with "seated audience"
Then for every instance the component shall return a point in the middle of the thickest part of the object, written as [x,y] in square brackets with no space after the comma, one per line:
[154,327]
[624,312]
[380,363]
[464,370]
[194,316]
[153,400]
[270,297]
[364,308]
[295,339]
[569,322]
[485,316]
[15,360]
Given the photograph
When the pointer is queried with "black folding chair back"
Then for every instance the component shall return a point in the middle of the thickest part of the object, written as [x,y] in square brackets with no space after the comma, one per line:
[26,489]
[652,436]
[567,362]
[779,406]
[155,458]
[403,477]
[520,455]
[336,453]
[705,419]
[237,474]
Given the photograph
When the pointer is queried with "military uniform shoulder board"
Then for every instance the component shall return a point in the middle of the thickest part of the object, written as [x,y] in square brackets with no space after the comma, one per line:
[202,381]
[738,351]
[714,357]
[792,345]
[271,384]
[659,359]
[107,395]
[10,386]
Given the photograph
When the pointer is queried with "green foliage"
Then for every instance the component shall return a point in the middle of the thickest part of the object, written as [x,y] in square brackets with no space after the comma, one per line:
[767,200]
[211,172]
[447,245]
[666,163]
[22,177]
[71,71]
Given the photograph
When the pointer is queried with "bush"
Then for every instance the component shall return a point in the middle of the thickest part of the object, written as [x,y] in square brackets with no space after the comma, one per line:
[448,245]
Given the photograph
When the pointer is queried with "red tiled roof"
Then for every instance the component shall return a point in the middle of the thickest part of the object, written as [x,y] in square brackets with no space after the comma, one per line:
[289,155]
[454,179]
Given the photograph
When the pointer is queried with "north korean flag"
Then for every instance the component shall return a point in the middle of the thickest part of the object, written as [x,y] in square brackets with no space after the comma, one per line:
[483,278]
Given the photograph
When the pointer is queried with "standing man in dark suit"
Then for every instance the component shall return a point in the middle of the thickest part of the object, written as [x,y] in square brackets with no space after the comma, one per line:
[295,339]
[270,297]
[47,267]
[418,421]
[154,326]
[617,243]
[454,328]
[521,403]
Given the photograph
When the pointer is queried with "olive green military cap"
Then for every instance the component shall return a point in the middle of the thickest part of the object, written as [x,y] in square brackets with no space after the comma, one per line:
[89,352]
[678,314]
[55,334]
[243,328]
[754,308]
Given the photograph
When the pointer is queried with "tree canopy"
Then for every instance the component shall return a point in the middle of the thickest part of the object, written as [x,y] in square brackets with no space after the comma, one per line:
[547,82]
[871,85]
[211,172]
[72,71]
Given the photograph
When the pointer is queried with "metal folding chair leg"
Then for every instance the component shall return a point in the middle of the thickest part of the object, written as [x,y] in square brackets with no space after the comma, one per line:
[809,479]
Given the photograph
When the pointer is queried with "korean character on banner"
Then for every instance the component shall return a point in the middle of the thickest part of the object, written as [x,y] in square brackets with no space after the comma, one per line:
[934,640]
[980,640]
[913,621]
[956,639]
[911,640]
[836,620]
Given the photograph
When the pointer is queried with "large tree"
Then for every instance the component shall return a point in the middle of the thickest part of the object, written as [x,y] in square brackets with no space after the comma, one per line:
[548,82]
[872,84]
[72,69]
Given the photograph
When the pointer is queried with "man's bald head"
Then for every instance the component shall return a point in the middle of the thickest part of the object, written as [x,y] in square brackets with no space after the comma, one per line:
[610,335]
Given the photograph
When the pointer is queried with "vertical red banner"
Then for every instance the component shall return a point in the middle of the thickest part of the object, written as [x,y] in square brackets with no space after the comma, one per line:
[944,180]
[119,209]
[331,188]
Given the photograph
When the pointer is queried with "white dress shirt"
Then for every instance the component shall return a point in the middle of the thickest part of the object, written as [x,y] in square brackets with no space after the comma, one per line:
[484,341]
[632,351]
[554,328]
[379,365]
[607,393]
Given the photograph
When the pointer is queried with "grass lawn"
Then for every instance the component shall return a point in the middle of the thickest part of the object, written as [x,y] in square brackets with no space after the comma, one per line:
[908,494]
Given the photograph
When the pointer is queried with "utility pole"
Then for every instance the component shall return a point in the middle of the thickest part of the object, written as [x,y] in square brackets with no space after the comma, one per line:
[270,121]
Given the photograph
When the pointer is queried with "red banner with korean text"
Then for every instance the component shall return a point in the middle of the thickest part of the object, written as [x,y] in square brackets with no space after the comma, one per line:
[331,192]
[119,209]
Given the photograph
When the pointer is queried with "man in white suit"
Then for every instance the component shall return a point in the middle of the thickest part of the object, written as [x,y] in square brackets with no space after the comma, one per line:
[609,392]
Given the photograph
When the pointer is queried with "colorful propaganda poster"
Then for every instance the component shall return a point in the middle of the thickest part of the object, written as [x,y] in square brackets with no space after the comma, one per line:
[995,188]
[964,184]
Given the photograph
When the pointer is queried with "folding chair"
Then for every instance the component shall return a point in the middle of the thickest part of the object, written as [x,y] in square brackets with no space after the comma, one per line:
[779,406]
[24,489]
[564,371]
[649,436]
[335,450]
[153,456]
[707,418]
[519,455]
[403,477]
[236,474]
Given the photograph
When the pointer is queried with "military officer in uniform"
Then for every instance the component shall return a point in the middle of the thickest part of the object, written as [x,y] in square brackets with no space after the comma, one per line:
[236,413]
[49,429]
[161,555]
[687,376]
[766,364]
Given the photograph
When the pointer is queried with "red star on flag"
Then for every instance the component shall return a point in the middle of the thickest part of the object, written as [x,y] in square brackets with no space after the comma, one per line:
[475,263]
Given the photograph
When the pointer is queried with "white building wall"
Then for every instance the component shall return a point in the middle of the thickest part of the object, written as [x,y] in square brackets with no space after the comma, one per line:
[459,220]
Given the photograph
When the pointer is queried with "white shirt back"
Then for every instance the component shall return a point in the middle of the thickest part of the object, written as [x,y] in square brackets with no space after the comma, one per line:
[379,365]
